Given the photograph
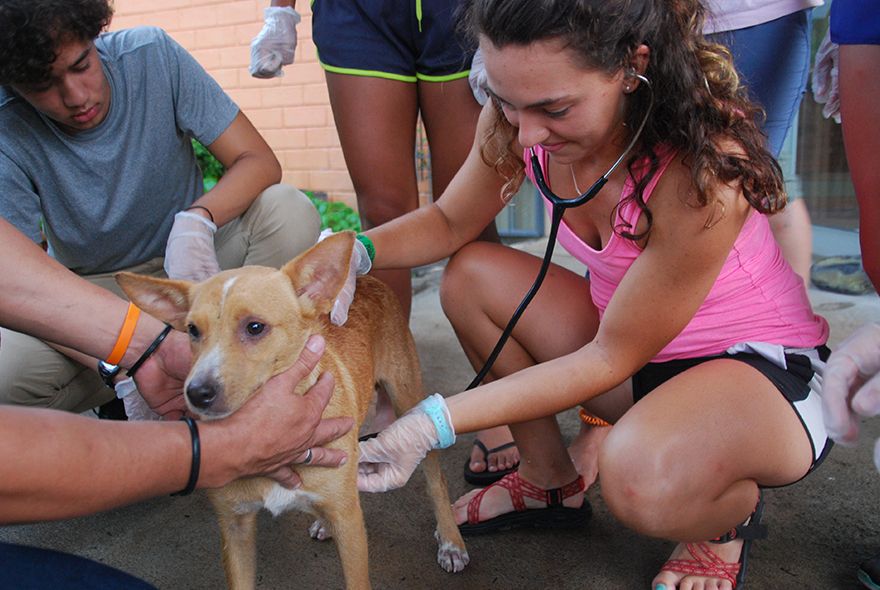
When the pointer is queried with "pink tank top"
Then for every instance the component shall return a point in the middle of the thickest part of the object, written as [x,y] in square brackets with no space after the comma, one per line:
[757,297]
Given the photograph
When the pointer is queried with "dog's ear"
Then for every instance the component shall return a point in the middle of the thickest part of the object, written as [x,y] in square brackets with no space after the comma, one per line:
[318,274]
[164,299]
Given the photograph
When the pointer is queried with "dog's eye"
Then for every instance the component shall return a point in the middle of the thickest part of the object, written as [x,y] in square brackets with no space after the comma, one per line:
[255,328]
[193,331]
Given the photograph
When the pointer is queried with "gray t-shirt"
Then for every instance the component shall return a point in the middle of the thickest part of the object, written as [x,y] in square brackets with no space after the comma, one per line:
[108,195]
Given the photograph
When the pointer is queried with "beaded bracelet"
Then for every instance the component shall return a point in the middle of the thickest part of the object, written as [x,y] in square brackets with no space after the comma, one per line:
[591,420]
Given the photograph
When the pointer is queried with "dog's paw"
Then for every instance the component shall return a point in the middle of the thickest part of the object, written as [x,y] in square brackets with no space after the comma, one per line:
[320,530]
[451,557]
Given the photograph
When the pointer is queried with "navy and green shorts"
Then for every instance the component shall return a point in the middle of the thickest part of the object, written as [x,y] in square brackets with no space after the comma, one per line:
[405,40]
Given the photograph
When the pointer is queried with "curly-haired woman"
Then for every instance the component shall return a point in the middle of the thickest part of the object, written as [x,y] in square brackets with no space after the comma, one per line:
[692,334]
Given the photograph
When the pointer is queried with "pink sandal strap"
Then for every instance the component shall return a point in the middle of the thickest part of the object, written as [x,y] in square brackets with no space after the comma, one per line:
[518,488]
[705,563]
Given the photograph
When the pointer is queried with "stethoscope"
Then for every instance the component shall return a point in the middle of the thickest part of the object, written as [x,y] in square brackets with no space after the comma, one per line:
[559,205]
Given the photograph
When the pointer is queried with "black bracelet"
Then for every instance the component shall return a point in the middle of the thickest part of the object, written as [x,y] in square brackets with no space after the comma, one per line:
[149,351]
[205,209]
[196,458]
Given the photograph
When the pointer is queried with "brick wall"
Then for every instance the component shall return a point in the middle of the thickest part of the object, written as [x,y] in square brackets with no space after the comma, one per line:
[292,112]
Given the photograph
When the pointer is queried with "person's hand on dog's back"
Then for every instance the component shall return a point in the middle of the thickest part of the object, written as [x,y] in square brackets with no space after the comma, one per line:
[851,386]
[275,429]
[360,264]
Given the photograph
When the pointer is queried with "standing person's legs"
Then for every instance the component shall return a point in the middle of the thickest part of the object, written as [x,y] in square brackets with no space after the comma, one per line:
[376,122]
[450,112]
[774,61]
[280,224]
[859,87]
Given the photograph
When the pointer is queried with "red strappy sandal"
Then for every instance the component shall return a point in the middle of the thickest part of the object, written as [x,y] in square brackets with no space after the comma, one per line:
[707,564]
[554,516]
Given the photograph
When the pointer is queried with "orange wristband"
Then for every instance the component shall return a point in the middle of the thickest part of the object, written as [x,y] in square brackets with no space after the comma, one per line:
[125,334]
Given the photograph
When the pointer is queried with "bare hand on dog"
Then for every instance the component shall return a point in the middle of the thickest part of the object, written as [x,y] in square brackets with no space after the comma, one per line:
[274,430]
[160,379]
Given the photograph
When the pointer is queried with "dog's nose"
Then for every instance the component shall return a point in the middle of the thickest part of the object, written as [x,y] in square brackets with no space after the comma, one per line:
[201,394]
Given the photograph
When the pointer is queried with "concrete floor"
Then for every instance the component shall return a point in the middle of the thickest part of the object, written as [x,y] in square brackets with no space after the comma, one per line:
[819,529]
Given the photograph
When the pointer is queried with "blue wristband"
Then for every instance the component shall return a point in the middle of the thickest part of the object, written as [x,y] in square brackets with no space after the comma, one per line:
[434,407]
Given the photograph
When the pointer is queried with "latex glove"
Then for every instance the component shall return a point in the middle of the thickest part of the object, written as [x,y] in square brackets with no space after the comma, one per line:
[388,461]
[189,253]
[851,386]
[477,78]
[136,407]
[825,78]
[275,44]
[359,265]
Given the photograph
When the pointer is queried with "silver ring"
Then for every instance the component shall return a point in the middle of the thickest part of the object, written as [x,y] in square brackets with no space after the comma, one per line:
[308,458]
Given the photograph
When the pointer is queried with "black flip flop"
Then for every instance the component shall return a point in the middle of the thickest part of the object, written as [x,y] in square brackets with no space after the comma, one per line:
[486,477]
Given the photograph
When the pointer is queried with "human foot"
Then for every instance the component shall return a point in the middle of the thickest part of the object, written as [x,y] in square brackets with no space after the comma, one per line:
[701,565]
[493,455]
[716,565]
[513,502]
[584,451]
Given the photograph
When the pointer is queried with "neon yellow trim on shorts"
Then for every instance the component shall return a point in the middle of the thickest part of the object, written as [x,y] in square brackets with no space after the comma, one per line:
[369,73]
[446,78]
[419,14]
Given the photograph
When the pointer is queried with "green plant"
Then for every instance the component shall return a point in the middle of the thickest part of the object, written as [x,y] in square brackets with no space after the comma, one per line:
[212,169]
[335,215]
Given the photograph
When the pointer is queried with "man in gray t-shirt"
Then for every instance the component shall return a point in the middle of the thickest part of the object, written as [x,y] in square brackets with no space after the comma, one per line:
[95,151]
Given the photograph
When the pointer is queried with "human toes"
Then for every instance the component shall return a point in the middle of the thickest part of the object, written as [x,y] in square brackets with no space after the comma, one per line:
[460,507]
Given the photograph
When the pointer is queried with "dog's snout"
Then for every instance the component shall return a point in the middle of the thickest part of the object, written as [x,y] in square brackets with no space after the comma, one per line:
[201,394]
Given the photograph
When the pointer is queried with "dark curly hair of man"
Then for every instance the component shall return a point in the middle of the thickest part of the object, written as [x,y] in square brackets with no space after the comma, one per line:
[31,31]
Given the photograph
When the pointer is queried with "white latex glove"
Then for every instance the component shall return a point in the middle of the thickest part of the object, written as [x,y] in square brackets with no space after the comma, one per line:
[477,78]
[825,78]
[388,461]
[189,253]
[136,407]
[359,265]
[275,44]
[851,386]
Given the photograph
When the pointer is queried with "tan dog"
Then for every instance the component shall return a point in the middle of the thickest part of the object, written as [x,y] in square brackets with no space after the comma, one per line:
[249,324]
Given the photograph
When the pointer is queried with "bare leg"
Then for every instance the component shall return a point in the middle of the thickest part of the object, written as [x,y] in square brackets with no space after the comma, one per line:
[376,121]
[478,310]
[684,463]
[861,137]
[450,114]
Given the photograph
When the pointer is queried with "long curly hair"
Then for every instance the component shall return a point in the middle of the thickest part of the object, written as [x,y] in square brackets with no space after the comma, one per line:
[32,30]
[699,102]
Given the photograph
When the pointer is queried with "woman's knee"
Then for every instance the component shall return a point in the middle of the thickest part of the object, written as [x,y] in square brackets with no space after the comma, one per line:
[463,273]
[639,484]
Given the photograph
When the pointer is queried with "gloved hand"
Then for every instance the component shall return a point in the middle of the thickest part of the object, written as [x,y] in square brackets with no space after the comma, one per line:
[477,78]
[388,461]
[136,407]
[825,78]
[275,44]
[851,386]
[359,265]
[189,253]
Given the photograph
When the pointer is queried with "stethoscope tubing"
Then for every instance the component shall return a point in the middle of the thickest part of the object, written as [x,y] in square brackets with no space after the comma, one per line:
[558,208]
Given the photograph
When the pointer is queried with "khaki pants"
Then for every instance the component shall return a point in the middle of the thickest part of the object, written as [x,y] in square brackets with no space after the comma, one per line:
[280,224]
